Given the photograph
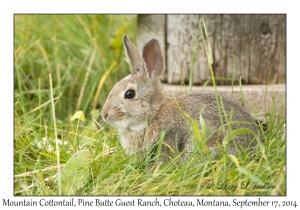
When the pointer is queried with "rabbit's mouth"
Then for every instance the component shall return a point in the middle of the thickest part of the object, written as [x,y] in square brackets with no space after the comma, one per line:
[137,127]
[125,125]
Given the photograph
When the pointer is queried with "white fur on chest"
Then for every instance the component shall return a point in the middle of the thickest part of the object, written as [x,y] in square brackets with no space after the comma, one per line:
[125,143]
[130,141]
[129,138]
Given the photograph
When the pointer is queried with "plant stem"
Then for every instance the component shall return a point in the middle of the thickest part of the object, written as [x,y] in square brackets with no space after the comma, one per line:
[56,142]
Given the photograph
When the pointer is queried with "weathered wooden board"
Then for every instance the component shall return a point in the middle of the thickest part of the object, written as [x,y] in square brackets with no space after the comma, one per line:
[152,26]
[251,46]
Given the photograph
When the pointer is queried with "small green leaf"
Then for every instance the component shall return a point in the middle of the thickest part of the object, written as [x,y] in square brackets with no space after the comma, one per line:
[116,41]
[233,133]
[159,145]
[241,91]
[248,174]
[78,115]
[235,160]
[75,173]
[205,83]
[206,42]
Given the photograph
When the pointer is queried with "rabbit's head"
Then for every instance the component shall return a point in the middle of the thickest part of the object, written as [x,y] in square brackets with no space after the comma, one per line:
[138,96]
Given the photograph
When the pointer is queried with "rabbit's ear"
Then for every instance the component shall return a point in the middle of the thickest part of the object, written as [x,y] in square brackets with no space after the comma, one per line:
[154,61]
[133,54]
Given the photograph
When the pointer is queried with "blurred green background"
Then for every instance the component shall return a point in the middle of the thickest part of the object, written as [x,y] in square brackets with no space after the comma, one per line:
[84,55]
[77,50]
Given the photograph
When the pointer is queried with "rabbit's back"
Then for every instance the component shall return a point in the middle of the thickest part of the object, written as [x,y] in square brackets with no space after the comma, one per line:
[179,133]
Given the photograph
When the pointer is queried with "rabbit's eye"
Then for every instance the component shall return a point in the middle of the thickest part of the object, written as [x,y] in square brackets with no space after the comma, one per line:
[129,94]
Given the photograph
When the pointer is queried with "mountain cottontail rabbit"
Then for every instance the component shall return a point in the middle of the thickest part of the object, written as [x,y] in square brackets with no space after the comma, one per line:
[140,110]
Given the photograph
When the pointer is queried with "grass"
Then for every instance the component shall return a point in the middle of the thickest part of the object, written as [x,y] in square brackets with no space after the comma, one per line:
[83,54]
